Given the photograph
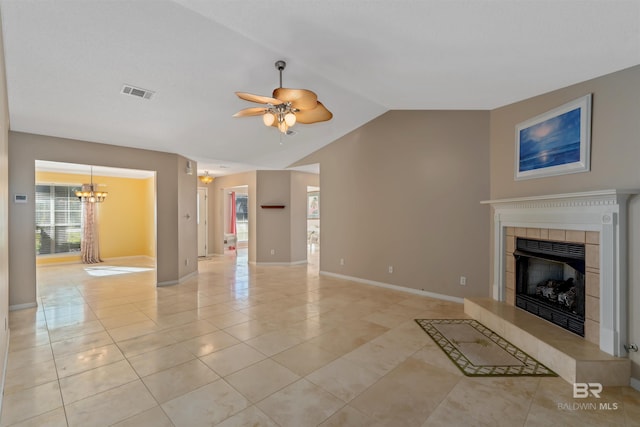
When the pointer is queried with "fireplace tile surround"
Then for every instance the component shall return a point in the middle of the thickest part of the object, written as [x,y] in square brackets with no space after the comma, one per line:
[591,240]
[596,219]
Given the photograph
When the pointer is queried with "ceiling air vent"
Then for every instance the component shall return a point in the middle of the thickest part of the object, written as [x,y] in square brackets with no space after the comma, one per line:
[137,92]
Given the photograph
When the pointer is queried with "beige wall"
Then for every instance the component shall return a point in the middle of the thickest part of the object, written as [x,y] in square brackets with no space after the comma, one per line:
[404,190]
[4,213]
[615,159]
[173,203]
[273,225]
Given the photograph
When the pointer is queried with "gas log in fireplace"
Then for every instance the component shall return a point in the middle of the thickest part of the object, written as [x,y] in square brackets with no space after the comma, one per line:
[550,281]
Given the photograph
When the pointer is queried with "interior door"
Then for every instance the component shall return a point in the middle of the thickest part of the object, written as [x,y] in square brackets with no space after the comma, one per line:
[202,222]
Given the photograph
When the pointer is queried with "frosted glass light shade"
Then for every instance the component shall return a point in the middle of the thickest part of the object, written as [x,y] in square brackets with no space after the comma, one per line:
[268,119]
[290,118]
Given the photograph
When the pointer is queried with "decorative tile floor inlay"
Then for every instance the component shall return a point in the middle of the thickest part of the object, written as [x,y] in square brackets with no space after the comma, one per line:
[478,351]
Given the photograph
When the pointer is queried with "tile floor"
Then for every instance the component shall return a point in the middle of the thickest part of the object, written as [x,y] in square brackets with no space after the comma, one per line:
[243,345]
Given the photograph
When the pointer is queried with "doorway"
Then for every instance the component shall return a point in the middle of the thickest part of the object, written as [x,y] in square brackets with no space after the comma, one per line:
[236,223]
[313,224]
[125,221]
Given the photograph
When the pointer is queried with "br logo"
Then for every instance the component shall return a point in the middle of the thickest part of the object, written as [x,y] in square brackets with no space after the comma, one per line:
[583,390]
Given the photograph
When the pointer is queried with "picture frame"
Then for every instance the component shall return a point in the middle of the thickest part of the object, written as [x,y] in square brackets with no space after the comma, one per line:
[554,143]
[313,205]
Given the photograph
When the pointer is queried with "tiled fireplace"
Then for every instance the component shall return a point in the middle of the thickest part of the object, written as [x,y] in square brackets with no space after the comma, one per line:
[586,277]
[595,221]
[598,219]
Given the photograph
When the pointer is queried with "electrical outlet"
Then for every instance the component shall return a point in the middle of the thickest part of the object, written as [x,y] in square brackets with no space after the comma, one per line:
[390,269]
[463,280]
[341,261]
[186,261]
[273,251]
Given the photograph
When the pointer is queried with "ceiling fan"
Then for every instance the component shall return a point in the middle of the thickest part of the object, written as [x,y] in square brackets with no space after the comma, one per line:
[286,107]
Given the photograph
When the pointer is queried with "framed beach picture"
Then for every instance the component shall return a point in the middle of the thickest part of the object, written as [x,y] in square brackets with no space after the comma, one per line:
[556,142]
[313,205]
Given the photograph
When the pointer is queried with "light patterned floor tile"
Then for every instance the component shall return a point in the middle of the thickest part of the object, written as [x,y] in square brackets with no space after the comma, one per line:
[30,376]
[205,406]
[316,350]
[111,406]
[301,403]
[145,343]
[209,343]
[28,356]
[274,342]
[304,358]
[80,344]
[29,403]
[180,379]
[232,359]
[414,397]
[87,360]
[55,418]
[133,330]
[158,360]
[154,417]
[344,379]
[261,379]
[88,383]
[348,417]
[250,417]
[190,330]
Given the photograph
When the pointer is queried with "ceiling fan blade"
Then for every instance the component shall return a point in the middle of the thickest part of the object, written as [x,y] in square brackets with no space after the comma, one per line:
[253,111]
[258,98]
[300,99]
[318,114]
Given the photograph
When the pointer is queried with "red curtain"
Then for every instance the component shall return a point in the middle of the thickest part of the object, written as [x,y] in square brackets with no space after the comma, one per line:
[232,210]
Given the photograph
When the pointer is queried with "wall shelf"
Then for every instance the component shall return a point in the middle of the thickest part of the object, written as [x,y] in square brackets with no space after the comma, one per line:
[272,206]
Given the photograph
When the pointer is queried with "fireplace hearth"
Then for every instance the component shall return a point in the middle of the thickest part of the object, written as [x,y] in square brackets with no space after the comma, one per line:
[550,281]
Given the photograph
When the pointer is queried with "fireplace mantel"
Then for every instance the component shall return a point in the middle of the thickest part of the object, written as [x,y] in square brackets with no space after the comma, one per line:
[604,211]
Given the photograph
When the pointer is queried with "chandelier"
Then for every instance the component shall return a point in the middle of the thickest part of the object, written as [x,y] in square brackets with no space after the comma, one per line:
[88,194]
[206,178]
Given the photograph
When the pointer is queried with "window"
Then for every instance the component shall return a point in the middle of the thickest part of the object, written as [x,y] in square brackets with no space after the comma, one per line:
[58,219]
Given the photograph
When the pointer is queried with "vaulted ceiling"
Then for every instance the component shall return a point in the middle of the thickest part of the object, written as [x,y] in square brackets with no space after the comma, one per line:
[67,61]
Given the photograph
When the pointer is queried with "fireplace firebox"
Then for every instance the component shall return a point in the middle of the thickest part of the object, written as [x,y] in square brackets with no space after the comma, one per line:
[550,281]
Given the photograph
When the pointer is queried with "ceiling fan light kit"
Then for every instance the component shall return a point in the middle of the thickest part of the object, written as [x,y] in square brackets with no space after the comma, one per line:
[287,106]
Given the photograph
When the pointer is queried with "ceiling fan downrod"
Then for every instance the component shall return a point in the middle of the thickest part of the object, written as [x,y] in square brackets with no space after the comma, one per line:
[280,65]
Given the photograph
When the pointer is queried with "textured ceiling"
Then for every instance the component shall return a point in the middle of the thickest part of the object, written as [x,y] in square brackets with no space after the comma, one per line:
[68,60]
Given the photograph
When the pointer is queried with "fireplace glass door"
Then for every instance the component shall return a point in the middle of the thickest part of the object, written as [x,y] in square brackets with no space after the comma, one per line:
[550,281]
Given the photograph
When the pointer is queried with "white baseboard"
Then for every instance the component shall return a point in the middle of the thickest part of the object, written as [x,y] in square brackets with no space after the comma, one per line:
[188,276]
[635,383]
[180,280]
[395,287]
[167,283]
[146,257]
[4,369]
[280,263]
[23,306]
